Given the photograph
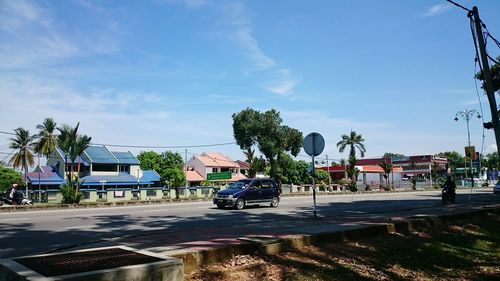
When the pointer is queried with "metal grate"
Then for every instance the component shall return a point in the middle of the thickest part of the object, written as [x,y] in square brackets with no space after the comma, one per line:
[79,262]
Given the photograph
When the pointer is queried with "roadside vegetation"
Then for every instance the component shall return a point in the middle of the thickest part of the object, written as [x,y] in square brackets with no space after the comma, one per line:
[441,253]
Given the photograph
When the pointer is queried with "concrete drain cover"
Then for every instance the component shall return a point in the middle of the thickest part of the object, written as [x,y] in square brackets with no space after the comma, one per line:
[78,262]
[108,263]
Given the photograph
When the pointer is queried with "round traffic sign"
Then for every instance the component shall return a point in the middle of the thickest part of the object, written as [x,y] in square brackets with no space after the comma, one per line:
[314,144]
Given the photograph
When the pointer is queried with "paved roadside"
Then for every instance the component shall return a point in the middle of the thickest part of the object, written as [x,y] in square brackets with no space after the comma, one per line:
[214,244]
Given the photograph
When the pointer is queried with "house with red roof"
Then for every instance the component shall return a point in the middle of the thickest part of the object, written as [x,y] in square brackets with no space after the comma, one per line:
[199,166]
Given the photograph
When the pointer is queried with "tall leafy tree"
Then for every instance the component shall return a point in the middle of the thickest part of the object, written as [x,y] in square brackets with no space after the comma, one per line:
[82,142]
[265,130]
[9,176]
[22,143]
[47,138]
[169,166]
[455,160]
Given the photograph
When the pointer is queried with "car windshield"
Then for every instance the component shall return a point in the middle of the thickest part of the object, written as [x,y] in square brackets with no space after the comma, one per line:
[239,184]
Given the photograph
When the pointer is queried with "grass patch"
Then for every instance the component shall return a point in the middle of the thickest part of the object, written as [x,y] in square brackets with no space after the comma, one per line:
[449,252]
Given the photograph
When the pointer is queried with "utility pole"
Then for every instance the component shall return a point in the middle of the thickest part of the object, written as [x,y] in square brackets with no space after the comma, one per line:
[185,169]
[488,82]
[328,169]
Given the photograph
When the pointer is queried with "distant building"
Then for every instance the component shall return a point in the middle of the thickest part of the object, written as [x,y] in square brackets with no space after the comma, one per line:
[199,166]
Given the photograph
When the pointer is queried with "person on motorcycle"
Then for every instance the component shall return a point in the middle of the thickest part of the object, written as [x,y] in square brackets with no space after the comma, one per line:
[449,187]
[13,190]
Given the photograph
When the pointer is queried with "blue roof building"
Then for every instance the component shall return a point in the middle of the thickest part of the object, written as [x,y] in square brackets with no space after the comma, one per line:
[98,166]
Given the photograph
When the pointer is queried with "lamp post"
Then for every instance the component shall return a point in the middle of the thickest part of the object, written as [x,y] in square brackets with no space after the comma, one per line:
[467,114]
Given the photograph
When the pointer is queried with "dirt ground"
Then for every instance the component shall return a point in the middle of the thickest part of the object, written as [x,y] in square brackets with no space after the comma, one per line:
[449,252]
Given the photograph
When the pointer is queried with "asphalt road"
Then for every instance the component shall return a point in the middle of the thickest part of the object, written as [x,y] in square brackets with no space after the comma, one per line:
[25,233]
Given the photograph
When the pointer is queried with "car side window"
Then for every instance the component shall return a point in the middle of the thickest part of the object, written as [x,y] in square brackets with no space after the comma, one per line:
[267,184]
[256,185]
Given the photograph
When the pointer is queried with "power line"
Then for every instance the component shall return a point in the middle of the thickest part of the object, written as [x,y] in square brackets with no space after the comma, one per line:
[7,133]
[164,147]
[458,5]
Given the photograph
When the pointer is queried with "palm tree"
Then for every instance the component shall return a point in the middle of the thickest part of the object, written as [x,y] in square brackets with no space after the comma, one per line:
[354,141]
[23,143]
[413,166]
[66,140]
[387,170]
[47,139]
[81,143]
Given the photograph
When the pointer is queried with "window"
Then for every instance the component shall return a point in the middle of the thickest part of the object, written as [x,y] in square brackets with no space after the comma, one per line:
[124,168]
[103,168]
[151,193]
[119,193]
[86,194]
[267,184]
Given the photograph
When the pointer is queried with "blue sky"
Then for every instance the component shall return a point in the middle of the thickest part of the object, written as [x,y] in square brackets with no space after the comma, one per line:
[172,72]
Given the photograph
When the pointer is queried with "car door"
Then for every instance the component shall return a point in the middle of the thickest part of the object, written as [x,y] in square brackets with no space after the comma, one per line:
[268,190]
[253,193]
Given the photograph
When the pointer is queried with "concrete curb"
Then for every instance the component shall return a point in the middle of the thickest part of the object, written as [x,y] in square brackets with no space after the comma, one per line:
[193,260]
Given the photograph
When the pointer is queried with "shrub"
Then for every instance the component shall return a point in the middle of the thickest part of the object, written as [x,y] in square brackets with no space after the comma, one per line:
[322,186]
[367,187]
[387,188]
[70,196]
[352,186]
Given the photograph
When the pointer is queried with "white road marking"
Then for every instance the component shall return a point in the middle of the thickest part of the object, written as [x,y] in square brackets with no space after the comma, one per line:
[80,226]
[18,219]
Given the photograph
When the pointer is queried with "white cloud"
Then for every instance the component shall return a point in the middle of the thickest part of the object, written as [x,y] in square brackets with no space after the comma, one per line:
[192,4]
[282,87]
[490,148]
[470,102]
[437,9]
[33,37]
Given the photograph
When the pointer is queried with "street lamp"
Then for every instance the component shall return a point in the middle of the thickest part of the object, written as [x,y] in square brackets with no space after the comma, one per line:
[467,114]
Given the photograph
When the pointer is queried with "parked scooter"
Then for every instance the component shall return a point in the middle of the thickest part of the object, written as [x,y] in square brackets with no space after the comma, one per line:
[18,199]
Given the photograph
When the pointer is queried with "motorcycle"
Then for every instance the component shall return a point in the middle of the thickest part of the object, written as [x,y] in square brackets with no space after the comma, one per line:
[448,196]
[18,199]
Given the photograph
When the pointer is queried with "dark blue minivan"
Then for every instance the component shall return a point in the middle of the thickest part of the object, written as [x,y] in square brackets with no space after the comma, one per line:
[248,192]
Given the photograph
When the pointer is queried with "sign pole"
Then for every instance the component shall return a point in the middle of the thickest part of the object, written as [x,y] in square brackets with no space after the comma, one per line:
[314,185]
[313,145]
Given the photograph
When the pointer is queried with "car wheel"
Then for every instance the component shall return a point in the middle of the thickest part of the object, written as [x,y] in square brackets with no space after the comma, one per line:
[275,202]
[240,204]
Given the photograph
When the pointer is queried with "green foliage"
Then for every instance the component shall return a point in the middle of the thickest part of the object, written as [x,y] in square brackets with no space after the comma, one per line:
[353,141]
[491,161]
[387,168]
[164,164]
[391,155]
[264,129]
[495,76]
[175,178]
[47,139]
[257,165]
[352,186]
[150,160]
[322,186]
[322,176]
[22,143]
[70,195]
[455,160]
[9,176]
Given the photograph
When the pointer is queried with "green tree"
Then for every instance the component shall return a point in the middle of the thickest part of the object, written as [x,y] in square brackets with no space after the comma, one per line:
[354,142]
[495,76]
[455,160]
[72,144]
[47,139]
[321,176]
[168,165]
[173,160]
[491,161]
[9,176]
[392,155]
[251,127]
[22,143]
[387,168]
[257,165]
[175,177]
[151,160]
